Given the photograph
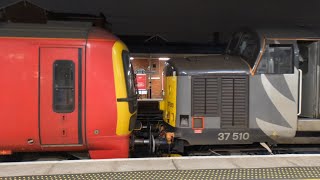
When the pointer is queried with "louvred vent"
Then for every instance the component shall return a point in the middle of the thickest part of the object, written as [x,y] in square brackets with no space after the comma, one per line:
[221,96]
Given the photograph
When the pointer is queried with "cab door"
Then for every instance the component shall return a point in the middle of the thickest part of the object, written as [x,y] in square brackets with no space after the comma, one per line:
[309,65]
[60,96]
[274,90]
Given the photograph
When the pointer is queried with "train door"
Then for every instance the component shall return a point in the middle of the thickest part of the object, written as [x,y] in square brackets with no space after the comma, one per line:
[60,96]
[274,90]
[309,61]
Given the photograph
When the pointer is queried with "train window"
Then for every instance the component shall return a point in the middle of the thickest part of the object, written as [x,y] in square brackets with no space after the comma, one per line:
[246,45]
[304,48]
[63,86]
[233,43]
[130,81]
[277,59]
[249,48]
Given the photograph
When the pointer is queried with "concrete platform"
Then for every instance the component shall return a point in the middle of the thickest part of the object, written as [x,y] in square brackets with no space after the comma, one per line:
[289,165]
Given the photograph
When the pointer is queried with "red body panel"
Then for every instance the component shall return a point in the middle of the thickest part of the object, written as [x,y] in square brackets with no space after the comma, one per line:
[18,94]
[100,96]
[26,66]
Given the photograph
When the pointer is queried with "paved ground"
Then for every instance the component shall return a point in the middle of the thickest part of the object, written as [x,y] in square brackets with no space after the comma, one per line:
[217,167]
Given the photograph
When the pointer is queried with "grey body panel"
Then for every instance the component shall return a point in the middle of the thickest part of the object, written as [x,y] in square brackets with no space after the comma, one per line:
[77,30]
[288,33]
[308,124]
[298,140]
[211,136]
[212,122]
[183,98]
[216,64]
[270,109]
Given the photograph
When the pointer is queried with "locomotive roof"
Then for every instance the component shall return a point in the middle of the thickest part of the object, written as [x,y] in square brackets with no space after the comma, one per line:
[213,64]
[52,29]
[288,33]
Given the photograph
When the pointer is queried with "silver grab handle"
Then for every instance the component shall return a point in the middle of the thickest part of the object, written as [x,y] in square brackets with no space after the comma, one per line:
[300,91]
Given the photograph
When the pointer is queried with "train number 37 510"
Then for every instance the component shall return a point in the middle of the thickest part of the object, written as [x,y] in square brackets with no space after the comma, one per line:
[233,136]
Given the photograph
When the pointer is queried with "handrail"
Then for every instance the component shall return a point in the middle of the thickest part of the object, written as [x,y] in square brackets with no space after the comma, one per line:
[300,91]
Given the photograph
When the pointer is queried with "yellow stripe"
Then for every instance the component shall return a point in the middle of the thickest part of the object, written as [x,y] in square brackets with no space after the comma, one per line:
[123,113]
[169,105]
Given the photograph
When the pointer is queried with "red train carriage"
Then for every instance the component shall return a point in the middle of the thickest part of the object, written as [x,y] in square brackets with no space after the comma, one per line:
[65,87]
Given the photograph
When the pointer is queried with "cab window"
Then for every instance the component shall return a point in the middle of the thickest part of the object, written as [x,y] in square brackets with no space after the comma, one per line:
[130,81]
[129,74]
[246,45]
[234,43]
[277,59]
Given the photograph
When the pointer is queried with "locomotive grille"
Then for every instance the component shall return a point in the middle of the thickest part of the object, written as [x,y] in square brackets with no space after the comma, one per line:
[234,102]
[221,96]
[205,97]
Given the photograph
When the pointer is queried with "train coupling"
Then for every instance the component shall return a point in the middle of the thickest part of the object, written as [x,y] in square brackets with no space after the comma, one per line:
[169,137]
[152,142]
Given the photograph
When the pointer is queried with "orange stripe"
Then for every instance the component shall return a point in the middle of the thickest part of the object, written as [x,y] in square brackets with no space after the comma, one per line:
[5,152]
[247,64]
[255,67]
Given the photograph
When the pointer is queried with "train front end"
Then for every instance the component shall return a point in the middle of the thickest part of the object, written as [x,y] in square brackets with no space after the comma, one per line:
[206,97]
[111,97]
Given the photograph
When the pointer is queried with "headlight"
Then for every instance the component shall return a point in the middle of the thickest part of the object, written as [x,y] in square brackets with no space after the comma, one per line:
[184,121]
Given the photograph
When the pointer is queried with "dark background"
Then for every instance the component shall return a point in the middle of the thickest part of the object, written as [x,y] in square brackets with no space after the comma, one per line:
[187,24]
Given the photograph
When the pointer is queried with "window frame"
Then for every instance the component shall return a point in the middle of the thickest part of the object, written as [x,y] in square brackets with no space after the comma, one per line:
[130,87]
[278,45]
[72,87]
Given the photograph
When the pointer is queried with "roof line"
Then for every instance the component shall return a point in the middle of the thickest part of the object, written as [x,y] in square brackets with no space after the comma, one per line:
[18,1]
